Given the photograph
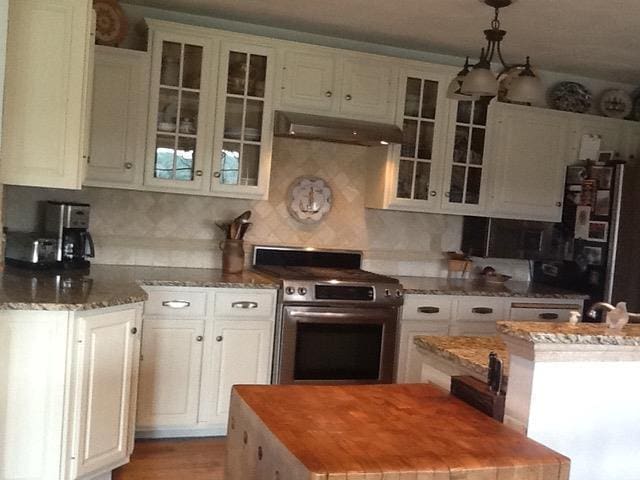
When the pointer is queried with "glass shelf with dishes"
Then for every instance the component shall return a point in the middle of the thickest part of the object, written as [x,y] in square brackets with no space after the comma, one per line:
[177,102]
[242,140]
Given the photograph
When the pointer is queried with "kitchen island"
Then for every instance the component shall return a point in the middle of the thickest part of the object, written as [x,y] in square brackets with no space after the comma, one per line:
[571,387]
[307,432]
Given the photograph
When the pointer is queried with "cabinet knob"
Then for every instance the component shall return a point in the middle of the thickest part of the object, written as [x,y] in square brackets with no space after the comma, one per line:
[198,173]
[219,338]
[328,93]
[216,174]
[134,330]
[128,165]
[447,194]
[259,453]
[199,338]
[347,97]
[558,204]
[433,193]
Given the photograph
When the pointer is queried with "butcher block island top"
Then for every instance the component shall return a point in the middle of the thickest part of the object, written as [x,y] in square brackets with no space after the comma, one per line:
[357,432]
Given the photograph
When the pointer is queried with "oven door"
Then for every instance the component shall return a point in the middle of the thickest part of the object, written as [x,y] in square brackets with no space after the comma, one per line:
[321,344]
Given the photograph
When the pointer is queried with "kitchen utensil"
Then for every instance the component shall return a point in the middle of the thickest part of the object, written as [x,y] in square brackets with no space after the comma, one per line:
[244,226]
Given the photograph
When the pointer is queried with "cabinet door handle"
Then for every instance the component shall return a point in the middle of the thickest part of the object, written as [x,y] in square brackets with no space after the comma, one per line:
[482,310]
[219,338]
[134,330]
[433,193]
[328,93]
[176,303]
[199,338]
[428,309]
[244,305]
[128,165]
[216,174]
[548,316]
[347,97]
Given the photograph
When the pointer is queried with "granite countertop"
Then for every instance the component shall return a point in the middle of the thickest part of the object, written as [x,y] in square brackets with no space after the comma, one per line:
[565,333]
[456,286]
[468,352]
[107,285]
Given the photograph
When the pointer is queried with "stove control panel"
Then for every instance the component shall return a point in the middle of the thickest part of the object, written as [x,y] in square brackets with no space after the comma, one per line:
[342,292]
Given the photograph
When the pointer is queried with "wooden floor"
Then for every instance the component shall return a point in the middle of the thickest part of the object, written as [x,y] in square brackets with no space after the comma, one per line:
[175,459]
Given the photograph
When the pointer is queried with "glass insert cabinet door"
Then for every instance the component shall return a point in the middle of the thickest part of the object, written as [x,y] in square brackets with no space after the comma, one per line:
[177,116]
[242,144]
[467,154]
[418,163]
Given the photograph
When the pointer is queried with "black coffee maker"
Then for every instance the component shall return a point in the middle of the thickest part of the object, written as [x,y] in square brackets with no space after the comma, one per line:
[68,223]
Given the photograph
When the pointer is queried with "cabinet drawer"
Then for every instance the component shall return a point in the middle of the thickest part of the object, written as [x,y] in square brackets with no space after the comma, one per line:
[246,304]
[555,313]
[176,303]
[482,309]
[426,307]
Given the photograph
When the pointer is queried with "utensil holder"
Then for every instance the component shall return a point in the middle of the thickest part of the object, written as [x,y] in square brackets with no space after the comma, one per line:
[232,256]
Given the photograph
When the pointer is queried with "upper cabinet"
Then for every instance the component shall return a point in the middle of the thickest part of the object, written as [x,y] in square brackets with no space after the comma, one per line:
[329,82]
[118,120]
[530,151]
[180,113]
[244,123]
[47,97]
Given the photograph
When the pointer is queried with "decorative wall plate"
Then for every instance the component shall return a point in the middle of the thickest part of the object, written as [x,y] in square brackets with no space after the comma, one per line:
[111,23]
[309,199]
[615,103]
[570,97]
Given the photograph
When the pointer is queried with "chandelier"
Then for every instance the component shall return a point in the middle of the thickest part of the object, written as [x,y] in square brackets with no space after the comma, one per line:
[474,82]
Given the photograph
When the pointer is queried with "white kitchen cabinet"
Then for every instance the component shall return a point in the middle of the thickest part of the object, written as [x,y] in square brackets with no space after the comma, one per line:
[243,132]
[104,366]
[410,176]
[67,391]
[241,356]
[47,93]
[543,310]
[170,368]
[331,82]
[119,117]
[529,152]
[181,102]
[4,16]
[309,80]
[190,361]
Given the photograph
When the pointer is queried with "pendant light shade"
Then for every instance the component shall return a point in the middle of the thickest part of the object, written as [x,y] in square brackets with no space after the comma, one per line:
[480,81]
[526,88]
[454,91]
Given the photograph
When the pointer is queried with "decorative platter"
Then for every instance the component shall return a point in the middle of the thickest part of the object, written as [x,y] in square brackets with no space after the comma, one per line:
[111,23]
[570,97]
[616,103]
[309,199]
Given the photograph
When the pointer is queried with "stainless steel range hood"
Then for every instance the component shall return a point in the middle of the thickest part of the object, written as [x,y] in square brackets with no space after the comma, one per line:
[340,130]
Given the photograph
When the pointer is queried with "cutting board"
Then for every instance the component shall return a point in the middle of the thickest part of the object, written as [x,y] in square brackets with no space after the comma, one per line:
[381,432]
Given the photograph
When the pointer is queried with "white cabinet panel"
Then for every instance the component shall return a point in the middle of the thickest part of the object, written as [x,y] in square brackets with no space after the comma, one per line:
[309,80]
[409,361]
[243,304]
[480,309]
[175,302]
[367,88]
[427,307]
[118,121]
[170,372]
[104,366]
[529,155]
[47,93]
[241,355]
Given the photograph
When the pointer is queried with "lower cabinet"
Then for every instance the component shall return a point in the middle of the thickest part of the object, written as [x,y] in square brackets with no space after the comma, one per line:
[442,315]
[189,365]
[67,396]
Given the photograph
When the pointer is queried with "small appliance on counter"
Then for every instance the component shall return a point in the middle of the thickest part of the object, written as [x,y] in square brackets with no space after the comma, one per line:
[64,244]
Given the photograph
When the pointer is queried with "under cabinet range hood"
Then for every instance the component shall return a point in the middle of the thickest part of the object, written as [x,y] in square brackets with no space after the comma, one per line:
[340,130]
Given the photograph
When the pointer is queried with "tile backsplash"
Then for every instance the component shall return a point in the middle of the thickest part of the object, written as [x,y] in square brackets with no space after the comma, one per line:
[148,228]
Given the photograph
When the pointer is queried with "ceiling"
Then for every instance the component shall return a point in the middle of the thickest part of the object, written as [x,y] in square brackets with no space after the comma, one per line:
[595,38]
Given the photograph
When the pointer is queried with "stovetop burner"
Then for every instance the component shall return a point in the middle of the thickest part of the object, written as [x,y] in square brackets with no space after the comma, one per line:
[325,276]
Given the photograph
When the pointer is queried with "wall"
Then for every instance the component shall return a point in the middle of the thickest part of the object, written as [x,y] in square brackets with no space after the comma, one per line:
[178,230]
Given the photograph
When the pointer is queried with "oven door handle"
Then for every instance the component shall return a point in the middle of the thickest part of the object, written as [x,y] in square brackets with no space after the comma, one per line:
[351,316]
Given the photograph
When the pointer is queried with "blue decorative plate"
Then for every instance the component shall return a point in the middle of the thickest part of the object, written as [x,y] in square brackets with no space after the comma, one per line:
[570,97]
